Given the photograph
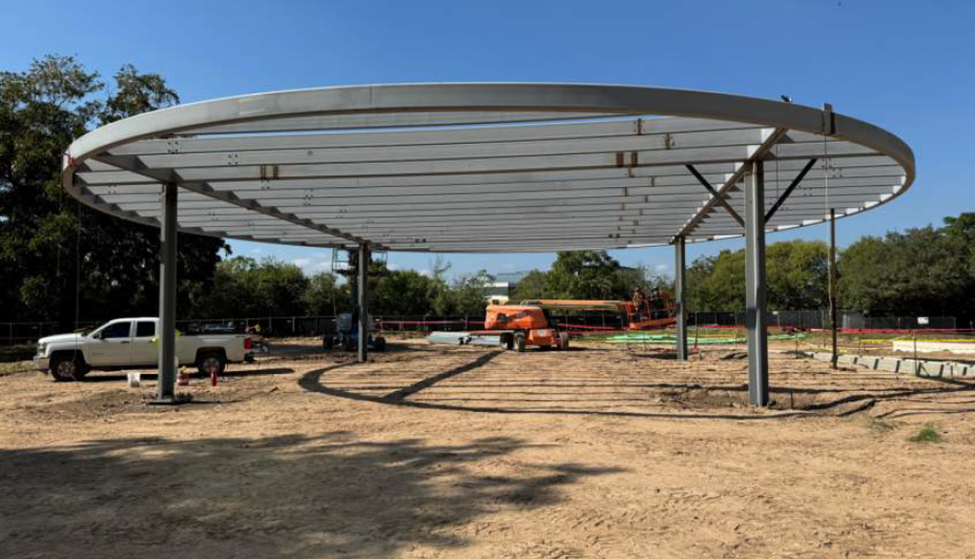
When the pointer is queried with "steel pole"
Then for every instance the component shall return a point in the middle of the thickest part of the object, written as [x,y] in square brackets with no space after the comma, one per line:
[167,297]
[680,297]
[755,288]
[363,303]
[832,285]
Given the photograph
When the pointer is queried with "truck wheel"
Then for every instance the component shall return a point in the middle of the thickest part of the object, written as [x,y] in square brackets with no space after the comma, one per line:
[519,342]
[328,343]
[210,363]
[379,344]
[507,341]
[68,367]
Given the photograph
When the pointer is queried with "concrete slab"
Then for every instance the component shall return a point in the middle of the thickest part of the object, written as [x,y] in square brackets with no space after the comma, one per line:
[932,347]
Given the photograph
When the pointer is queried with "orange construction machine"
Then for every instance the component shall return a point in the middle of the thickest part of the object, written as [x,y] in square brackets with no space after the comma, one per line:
[520,326]
[529,322]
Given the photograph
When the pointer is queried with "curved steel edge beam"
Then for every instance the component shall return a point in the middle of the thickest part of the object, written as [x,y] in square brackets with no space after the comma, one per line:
[564,98]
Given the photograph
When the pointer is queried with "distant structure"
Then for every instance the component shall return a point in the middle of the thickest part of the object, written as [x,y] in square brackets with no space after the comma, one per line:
[499,292]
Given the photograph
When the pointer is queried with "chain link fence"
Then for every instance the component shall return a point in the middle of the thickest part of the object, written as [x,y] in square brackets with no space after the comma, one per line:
[819,319]
[17,333]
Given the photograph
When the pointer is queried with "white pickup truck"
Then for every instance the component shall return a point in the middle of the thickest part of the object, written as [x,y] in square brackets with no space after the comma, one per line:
[131,343]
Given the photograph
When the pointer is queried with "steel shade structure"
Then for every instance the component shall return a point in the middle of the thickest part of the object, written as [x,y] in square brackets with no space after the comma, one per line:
[486,167]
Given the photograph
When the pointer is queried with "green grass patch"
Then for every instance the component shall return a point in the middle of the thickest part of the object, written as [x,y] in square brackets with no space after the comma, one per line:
[18,352]
[927,434]
[16,367]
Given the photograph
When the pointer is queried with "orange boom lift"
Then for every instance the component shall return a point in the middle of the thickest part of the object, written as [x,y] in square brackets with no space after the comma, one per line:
[529,323]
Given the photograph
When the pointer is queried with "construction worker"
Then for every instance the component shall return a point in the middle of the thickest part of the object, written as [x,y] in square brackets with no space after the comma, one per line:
[655,301]
[638,301]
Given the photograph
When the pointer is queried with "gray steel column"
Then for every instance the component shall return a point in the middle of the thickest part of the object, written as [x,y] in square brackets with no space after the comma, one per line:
[755,307]
[166,330]
[680,297]
[363,303]
[832,285]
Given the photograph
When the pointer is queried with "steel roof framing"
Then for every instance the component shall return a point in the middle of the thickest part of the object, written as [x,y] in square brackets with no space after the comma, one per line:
[484,167]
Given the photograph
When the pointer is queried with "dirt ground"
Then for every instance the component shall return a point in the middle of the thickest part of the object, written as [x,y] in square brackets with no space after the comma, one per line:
[436,451]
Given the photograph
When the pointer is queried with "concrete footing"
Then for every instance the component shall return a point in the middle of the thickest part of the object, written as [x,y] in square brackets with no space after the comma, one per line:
[919,367]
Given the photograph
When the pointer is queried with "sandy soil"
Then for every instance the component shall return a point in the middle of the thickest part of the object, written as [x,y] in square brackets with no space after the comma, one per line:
[433,451]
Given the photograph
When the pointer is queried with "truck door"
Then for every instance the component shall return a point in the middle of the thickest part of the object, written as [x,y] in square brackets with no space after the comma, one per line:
[144,351]
[113,347]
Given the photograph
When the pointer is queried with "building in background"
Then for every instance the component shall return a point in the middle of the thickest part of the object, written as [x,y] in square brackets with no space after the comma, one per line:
[499,292]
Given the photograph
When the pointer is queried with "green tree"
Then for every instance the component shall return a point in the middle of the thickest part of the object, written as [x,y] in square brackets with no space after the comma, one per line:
[438,292]
[585,274]
[961,230]
[245,288]
[401,293]
[136,93]
[726,284]
[41,111]
[48,239]
[469,293]
[592,274]
[797,275]
[533,286]
[919,272]
[699,295]
[795,270]
[279,288]
[325,296]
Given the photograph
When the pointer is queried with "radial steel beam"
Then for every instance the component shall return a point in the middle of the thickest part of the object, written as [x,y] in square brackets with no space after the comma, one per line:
[680,297]
[363,303]
[757,155]
[755,287]
[134,165]
[792,186]
[720,198]
[166,327]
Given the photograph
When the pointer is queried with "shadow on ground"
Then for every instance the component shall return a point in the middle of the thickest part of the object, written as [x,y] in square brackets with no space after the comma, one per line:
[286,496]
[685,400]
[312,381]
[148,375]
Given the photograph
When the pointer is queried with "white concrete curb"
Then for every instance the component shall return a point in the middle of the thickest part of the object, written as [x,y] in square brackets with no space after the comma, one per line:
[920,367]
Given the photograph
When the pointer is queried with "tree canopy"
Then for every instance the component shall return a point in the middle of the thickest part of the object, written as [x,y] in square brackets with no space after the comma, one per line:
[587,274]
[60,260]
[925,271]
[57,256]
[918,272]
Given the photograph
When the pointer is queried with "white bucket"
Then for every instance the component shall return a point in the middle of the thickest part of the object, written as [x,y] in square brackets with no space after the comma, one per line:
[135,379]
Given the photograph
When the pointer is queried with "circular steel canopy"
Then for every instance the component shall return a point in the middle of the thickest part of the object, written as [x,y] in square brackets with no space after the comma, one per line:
[484,167]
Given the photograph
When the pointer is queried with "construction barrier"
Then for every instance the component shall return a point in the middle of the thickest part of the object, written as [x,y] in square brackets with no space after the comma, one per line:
[17,333]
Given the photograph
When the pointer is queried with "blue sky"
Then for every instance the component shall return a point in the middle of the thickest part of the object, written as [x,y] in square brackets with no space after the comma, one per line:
[905,66]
